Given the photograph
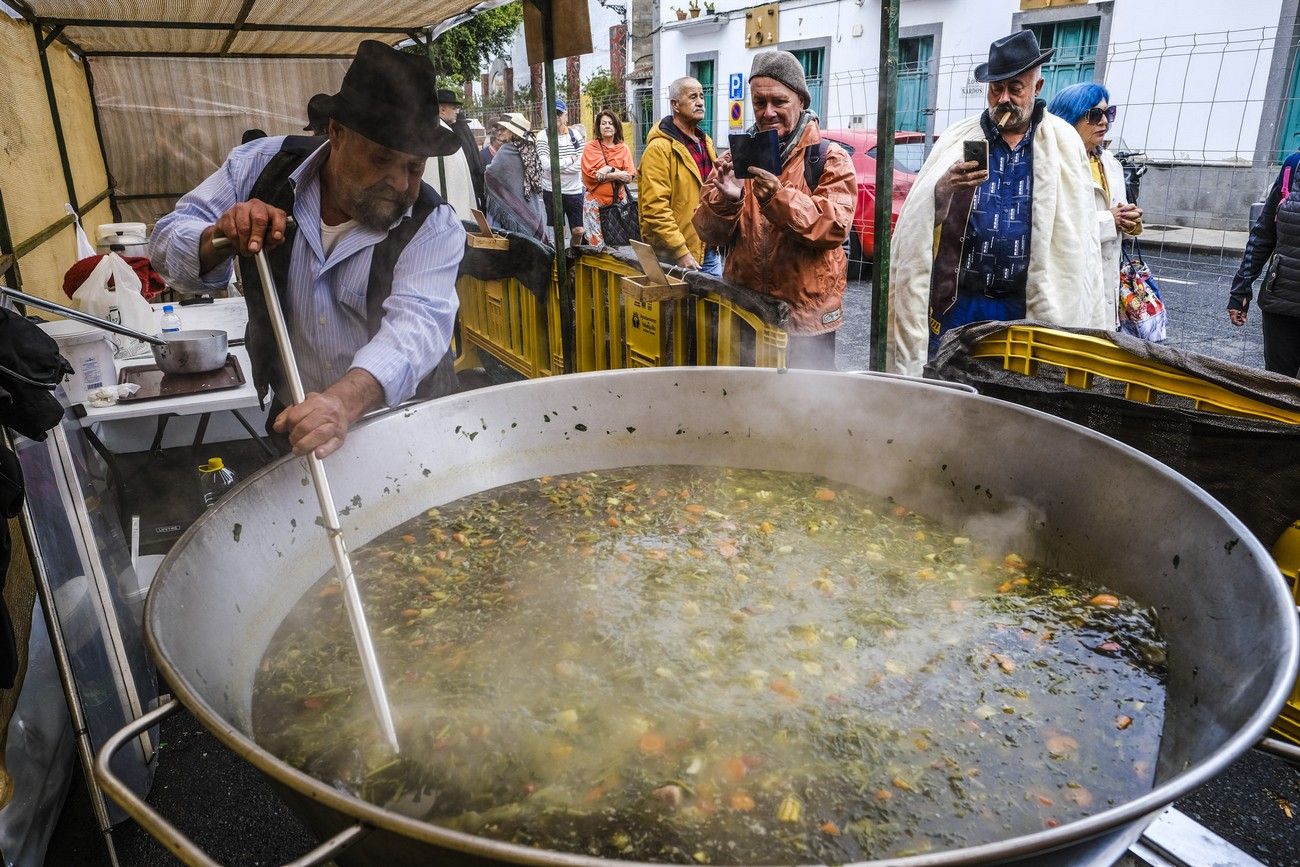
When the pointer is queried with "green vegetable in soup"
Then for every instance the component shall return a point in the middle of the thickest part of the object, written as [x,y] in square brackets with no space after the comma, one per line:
[719,666]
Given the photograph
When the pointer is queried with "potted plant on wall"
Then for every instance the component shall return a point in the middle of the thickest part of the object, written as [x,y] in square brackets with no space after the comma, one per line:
[710,8]
[681,13]
[695,8]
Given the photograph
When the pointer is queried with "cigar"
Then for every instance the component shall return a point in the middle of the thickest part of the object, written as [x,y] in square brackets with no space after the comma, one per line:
[1001,116]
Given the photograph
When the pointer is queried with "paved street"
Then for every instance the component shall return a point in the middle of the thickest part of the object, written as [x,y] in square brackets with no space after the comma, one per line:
[1194,287]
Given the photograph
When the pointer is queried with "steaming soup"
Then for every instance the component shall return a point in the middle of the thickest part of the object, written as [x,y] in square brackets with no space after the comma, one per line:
[720,666]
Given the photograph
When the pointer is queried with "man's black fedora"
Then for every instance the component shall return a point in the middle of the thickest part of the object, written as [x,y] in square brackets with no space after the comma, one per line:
[448,97]
[391,98]
[1012,55]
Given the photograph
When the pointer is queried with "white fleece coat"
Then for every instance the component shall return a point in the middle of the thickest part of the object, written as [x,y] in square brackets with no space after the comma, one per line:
[1107,234]
[1066,284]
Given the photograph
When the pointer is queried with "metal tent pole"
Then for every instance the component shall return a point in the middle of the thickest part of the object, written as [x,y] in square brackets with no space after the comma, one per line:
[556,197]
[885,122]
[42,43]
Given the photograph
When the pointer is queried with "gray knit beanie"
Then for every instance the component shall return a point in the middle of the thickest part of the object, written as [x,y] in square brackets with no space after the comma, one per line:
[785,68]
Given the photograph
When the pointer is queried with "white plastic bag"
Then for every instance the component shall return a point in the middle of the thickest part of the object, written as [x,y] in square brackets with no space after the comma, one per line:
[84,248]
[122,302]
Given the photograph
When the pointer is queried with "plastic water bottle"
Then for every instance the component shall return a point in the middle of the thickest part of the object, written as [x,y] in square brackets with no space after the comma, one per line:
[215,479]
[171,323]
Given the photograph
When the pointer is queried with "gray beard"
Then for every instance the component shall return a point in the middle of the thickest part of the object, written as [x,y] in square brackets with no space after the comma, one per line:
[374,211]
[1012,118]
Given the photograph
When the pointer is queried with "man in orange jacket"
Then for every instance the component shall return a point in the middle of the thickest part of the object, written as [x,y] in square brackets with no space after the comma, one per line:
[786,233]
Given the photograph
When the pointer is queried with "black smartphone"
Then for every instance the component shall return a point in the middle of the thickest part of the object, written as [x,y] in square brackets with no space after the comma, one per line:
[978,152]
[761,150]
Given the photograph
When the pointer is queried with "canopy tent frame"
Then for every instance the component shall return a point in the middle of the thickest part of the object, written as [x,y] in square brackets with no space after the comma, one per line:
[48,29]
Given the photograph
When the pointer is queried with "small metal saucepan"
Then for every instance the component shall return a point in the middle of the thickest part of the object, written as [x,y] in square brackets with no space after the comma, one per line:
[191,351]
[180,352]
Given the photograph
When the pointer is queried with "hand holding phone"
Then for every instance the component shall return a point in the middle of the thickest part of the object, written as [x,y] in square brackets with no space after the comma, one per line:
[761,150]
[977,152]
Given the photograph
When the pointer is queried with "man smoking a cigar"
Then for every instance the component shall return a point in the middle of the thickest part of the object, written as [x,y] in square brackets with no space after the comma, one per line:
[1015,241]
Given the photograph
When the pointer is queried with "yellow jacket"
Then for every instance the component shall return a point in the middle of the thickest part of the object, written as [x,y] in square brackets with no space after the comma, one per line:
[668,187]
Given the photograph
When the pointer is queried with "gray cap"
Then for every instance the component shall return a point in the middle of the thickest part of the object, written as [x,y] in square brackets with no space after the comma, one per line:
[785,68]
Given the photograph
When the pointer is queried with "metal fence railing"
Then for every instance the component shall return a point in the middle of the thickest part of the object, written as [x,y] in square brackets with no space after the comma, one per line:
[1205,115]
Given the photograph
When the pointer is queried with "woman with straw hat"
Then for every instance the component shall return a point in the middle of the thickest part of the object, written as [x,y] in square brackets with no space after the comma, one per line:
[514,183]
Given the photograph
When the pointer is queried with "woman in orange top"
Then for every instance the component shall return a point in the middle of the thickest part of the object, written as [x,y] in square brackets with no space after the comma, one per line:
[606,170]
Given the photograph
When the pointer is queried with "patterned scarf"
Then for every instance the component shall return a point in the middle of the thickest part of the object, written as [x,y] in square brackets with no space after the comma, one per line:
[532,165]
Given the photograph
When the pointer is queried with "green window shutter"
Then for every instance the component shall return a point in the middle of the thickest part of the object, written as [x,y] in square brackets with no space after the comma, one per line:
[1075,60]
[813,61]
[914,82]
[702,71]
[1289,136]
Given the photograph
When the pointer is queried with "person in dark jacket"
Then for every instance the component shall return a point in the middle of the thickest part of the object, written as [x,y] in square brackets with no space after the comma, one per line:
[1274,250]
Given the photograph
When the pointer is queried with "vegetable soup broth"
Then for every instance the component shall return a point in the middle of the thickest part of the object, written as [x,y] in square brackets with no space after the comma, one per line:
[691,664]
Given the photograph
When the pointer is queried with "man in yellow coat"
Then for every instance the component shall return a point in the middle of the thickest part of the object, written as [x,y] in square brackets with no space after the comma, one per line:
[677,161]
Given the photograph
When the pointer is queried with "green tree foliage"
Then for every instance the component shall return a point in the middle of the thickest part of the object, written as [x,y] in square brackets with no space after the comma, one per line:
[604,91]
[460,53]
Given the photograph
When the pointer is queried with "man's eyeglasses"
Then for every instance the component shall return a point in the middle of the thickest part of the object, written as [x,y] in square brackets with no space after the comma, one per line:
[1095,115]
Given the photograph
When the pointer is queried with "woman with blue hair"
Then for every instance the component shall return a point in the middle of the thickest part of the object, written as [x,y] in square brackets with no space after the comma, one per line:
[1086,107]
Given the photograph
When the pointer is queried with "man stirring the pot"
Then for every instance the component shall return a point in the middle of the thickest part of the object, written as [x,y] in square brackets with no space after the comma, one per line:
[365,274]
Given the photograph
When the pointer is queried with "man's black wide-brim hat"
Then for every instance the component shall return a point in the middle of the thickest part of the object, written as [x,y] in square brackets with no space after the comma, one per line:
[391,98]
[1012,55]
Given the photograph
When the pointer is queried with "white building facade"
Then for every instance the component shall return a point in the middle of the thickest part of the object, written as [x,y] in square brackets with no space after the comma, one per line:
[1207,89]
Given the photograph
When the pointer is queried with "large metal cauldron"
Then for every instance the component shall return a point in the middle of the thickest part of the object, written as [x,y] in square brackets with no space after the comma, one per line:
[1232,629]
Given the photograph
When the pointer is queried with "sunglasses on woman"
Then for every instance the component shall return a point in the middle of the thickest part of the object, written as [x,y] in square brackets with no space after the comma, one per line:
[1095,115]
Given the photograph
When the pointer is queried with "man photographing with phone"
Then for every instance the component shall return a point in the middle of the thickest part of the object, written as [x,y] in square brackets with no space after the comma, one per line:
[786,229]
[1000,223]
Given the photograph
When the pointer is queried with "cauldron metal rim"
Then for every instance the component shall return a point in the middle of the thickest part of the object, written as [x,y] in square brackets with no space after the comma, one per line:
[1039,842]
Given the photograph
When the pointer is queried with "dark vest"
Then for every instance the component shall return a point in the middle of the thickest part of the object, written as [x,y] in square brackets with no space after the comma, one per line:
[1283,297]
[273,186]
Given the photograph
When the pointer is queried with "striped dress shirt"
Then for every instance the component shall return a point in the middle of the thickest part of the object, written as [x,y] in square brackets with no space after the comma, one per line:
[326,295]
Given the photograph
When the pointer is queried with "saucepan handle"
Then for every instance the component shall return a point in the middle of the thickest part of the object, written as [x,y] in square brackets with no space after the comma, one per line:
[81,316]
[166,833]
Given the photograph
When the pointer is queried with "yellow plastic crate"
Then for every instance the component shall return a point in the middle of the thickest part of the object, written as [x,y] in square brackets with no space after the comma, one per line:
[1022,348]
[612,331]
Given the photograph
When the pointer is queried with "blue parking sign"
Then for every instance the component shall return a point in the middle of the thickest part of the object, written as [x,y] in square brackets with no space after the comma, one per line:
[736,86]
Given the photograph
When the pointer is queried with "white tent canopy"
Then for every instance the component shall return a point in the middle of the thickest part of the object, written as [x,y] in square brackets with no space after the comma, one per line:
[240,28]
[177,82]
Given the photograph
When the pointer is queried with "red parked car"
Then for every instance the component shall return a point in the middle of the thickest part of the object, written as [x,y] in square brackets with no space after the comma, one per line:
[860,144]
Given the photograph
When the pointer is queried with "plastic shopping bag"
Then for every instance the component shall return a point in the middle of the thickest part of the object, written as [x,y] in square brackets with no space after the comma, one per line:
[119,302]
[84,247]
[1142,313]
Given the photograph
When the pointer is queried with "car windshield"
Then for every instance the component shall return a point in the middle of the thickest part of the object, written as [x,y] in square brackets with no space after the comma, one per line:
[908,156]
[848,148]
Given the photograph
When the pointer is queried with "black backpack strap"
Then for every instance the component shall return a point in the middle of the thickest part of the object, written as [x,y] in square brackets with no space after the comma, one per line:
[814,161]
